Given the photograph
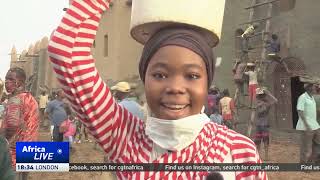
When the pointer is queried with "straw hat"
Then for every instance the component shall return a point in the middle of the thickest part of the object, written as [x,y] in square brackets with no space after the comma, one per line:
[122,87]
[260,90]
[250,64]
[148,16]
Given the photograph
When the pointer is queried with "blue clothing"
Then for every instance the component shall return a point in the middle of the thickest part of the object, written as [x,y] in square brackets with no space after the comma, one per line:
[132,107]
[274,47]
[56,111]
[217,118]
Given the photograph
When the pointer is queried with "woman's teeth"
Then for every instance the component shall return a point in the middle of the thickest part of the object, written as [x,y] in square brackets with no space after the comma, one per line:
[174,106]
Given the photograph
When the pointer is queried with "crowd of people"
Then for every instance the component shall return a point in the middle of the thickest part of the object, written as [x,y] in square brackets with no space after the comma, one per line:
[22,116]
[21,120]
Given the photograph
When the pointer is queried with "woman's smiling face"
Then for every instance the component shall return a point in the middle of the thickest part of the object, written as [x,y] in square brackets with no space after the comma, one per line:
[176,83]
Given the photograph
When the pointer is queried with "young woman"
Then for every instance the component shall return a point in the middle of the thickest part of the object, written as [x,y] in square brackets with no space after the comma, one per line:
[177,68]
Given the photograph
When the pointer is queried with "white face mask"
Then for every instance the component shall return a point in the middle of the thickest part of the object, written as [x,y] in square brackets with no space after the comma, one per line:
[177,134]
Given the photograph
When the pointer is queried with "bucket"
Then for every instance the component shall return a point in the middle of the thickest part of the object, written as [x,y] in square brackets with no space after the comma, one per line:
[149,16]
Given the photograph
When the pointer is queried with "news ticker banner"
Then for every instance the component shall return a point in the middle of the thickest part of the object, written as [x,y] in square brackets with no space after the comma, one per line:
[42,156]
[81,167]
[54,157]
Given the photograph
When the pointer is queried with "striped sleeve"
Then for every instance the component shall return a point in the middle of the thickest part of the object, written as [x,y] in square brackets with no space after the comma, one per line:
[12,118]
[243,150]
[70,53]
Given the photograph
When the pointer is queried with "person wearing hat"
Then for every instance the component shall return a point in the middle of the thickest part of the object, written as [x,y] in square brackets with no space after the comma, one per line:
[122,92]
[264,102]
[253,81]
[121,88]
[307,123]
[176,67]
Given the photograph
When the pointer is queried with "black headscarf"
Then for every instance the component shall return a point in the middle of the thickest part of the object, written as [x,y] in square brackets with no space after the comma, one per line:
[186,38]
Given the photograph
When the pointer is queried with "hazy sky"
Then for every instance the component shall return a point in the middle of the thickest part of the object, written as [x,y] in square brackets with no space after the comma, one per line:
[23,22]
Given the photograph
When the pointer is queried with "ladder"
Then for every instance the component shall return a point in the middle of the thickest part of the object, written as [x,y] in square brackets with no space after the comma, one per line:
[260,60]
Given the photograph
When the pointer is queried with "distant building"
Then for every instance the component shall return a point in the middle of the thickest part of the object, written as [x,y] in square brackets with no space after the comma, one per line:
[297,26]
[36,64]
[116,53]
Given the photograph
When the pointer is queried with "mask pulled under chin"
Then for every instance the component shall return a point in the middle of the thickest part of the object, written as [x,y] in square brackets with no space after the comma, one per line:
[175,135]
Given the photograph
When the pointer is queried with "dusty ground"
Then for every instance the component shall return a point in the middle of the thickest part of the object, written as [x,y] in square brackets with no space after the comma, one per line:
[284,148]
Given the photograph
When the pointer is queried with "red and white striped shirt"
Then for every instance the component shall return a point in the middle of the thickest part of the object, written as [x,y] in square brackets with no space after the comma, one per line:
[122,135]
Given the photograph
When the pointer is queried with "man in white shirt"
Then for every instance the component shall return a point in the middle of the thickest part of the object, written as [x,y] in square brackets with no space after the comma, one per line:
[307,123]
[43,101]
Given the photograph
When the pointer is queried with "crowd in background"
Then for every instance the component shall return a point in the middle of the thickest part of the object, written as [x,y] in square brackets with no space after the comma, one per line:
[56,116]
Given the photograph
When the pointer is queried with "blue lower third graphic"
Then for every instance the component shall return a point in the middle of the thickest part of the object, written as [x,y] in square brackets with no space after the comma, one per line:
[42,156]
